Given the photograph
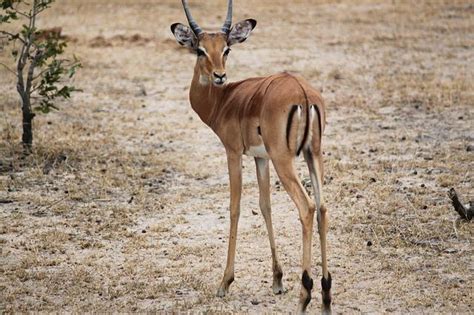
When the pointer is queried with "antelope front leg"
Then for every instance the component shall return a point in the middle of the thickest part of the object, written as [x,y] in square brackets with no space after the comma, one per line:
[263,177]
[234,162]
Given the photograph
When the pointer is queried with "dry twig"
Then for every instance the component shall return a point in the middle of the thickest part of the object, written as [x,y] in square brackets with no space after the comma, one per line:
[465,213]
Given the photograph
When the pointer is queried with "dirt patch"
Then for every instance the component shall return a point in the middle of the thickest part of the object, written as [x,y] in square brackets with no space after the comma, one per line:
[119,40]
[124,204]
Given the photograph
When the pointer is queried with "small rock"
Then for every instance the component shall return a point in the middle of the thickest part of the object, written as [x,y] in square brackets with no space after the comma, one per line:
[369,243]
[141,91]
[254,302]
[470,148]
[373,180]
[450,250]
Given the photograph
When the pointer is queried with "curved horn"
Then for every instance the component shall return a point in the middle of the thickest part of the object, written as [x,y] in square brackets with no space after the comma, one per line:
[228,20]
[194,26]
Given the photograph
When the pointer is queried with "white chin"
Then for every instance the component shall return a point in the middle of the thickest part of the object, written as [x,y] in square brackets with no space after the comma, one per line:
[218,82]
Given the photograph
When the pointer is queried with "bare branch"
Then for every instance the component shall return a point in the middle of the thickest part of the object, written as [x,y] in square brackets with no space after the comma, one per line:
[33,90]
[15,36]
[41,10]
[8,68]
[31,71]
[20,66]
[39,75]
[26,15]
[7,33]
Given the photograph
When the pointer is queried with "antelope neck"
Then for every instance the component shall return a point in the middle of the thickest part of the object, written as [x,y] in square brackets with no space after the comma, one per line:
[204,97]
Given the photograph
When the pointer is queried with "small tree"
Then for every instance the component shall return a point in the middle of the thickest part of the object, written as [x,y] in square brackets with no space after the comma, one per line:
[40,71]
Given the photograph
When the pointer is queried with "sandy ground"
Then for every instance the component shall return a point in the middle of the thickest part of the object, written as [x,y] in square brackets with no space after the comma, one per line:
[124,204]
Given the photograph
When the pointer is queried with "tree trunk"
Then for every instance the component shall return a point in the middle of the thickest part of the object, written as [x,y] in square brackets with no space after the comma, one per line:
[27,138]
[25,89]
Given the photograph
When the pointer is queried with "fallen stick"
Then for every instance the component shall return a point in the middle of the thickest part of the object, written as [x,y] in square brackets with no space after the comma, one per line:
[465,213]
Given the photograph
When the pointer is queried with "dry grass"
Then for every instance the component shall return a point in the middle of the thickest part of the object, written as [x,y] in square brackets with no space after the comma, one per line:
[123,205]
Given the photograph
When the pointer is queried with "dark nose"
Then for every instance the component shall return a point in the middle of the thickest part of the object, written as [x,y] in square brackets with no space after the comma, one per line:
[219,78]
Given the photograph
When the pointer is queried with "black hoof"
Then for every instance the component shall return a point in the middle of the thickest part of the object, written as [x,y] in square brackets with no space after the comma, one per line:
[308,285]
[277,282]
[326,293]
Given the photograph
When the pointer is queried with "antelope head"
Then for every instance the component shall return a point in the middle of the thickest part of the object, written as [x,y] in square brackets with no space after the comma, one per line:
[212,49]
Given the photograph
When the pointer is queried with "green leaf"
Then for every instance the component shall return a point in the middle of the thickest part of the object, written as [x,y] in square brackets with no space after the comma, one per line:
[52,69]
[9,15]
[7,4]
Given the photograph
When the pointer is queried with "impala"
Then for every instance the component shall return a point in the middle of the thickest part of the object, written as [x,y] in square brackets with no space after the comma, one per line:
[270,118]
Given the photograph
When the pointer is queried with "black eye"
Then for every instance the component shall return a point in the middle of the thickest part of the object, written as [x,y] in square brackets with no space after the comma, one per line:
[200,52]
[227,51]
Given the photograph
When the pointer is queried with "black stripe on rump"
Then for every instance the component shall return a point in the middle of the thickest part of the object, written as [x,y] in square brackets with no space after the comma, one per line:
[319,122]
[306,129]
[293,109]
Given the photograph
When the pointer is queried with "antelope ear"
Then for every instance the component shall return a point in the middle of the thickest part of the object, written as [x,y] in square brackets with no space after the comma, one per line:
[241,31]
[184,35]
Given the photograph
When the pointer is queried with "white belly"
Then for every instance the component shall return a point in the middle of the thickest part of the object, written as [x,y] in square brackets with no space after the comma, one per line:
[257,151]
